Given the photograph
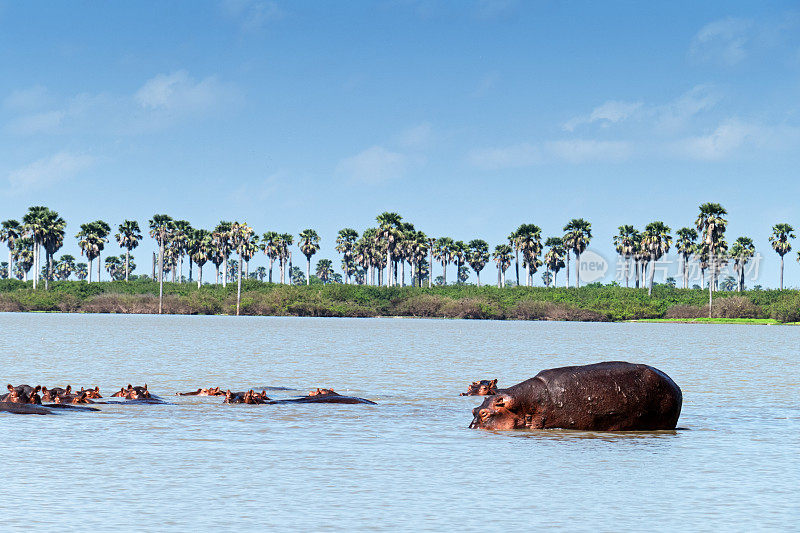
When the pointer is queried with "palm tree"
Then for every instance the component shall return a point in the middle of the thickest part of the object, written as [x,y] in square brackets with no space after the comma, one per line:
[685,243]
[742,251]
[10,231]
[88,245]
[81,270]
[388,231]
[180,241]
[529,242]
[624,244]
[23,257]
[160,229]
[269,244]
[431,248]
[502,256]
[578,233]
[65,267]
[554,258]
[345,245]
[781,233]
[309,245]
[285,240]
[100,231]
[711,227]
[200,250]
[459,255]
[222,240]
[477,256]
[34,226]
[657,240]
[418,251]
[324,270]
[113,265]
[52,241]
[128,237]
[443,251]
[513,241]
[240,237]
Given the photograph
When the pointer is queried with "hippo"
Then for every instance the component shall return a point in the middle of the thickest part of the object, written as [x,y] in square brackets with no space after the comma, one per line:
[213,391]
[609,396]
[324,396]
[249,397]
[92,394]
[483,387]
[133,393]
[24,394]
[24,408]
[74,399]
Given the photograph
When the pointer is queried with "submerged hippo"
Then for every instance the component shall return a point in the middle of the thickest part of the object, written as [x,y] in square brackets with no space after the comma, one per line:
[132,393]
[611,396]
[483,387]
[212,391]
[249,397]
[324,396]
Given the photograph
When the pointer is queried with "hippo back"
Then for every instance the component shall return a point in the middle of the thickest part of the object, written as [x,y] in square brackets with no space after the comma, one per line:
[610,396]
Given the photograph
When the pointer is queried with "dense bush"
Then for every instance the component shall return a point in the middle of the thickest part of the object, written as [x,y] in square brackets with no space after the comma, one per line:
[594,302]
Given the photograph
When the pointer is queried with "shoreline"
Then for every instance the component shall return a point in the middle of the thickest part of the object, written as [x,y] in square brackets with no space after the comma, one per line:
[592,303]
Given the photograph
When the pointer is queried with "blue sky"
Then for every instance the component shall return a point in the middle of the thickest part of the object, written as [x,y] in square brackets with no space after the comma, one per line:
[466,117]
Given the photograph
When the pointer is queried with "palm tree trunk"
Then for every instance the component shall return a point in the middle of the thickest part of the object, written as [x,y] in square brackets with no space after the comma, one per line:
[577,270]
[225,270]
[652,275]
[711,281]
[627,272]
[239,283]
[516,265]
[10,263]
[567,276]
[389,266]
[308,270]
[781,272]
[478,275]
[90,269]
[127,262]
[190,268]
[289,270]
[98,268]
[271,262]
[180,272]
[160,273]
[444,272]
[199,276]
[403,273]
[430,268]
[685,274]
[555,278]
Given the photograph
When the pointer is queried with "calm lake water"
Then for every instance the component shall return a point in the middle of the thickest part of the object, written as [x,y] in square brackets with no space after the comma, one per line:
[409,462]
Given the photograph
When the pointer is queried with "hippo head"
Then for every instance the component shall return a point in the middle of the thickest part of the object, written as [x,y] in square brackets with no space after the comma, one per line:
[483,387]
[500,412]
[92,394]
[14,395]
[138,393]
[321,392]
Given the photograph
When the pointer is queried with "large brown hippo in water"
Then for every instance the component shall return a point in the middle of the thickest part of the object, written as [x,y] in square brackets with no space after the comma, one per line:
[133,393]
[610,396]
[212,391]
[324,396]
[484,387]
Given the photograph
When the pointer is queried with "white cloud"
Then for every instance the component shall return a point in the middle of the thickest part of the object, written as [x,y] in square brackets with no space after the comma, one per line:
[571,151]
[586,150]
[252,15]
[677,113]
[515,156]
[722,41]
[374,165]
[420,136]
[48,171]
[734,137]
[180,92]
[610,112]
[34,97]
[46,122]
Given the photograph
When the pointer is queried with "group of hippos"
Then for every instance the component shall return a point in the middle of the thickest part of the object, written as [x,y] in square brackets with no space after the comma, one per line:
[609,396]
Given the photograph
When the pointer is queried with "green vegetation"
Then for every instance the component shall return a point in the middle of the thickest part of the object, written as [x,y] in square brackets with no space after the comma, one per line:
[593,302]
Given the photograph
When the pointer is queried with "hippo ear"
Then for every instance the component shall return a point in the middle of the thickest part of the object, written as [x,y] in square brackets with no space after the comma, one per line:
[493,383]
[10,387]
[69,389]
[96,388]
[38,388]
[129,386]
